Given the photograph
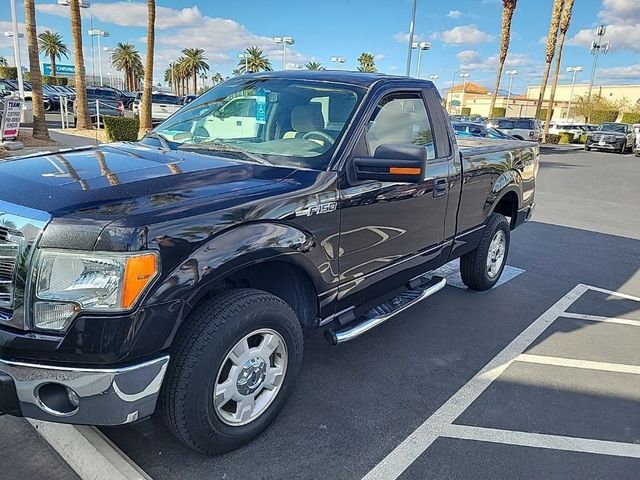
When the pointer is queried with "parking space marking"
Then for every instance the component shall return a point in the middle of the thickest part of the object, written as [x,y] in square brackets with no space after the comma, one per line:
[573,363]
[614,294]
[598,318]
[451,271]
[416,443]
[540,440]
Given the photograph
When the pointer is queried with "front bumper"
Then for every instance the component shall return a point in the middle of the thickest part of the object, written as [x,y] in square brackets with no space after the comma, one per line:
[607,145]
[104,396]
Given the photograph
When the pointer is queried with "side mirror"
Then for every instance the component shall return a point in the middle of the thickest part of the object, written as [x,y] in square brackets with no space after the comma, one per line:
[394,162]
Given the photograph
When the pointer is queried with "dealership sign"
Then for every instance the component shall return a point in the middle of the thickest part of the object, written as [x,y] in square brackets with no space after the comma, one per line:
[60,69]
[10,125]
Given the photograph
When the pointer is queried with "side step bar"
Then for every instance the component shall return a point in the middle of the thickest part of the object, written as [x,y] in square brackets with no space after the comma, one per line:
[385,311]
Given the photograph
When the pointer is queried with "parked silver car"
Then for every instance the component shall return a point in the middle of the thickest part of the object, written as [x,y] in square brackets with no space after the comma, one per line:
[520,128]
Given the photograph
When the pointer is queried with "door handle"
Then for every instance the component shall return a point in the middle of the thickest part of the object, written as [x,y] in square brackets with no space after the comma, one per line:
[238,123]
[440,187]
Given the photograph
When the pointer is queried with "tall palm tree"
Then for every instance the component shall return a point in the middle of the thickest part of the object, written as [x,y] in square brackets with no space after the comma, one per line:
[3,62]
[127,58]
[508,7]
[195,62]
[217,78]
[52,45]
[367,63]
[146,123]
[39,120]
[565,20]
[552,38]
[314,66]
[170,76]
[82,108]
[255,62]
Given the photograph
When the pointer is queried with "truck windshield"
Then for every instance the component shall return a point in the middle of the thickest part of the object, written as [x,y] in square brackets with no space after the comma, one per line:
[612,127]
[289,122]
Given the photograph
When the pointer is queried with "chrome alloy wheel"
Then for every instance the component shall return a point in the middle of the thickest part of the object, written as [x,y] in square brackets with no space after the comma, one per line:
[496,254]
[250,377]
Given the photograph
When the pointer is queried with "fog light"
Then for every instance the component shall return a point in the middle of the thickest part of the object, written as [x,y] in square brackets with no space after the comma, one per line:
[73,397]
[53,316]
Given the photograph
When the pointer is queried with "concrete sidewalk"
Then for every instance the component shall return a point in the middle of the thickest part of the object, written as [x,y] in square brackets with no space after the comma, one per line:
[63,138]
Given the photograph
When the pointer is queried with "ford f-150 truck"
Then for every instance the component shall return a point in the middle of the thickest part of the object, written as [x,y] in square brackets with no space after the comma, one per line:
[176,275]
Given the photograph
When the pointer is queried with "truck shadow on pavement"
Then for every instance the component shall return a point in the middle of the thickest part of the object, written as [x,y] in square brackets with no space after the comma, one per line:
[355,403]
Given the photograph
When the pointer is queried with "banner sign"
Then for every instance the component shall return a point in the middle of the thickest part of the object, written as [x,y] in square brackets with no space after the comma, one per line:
[10,125]
[60,69]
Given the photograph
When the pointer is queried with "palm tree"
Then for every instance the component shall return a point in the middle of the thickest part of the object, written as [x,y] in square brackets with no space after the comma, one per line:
[552,38]
[82,109]
[52,46]
[3,62]
[508,7]
[146,123]
[314,66]
[565,20]
[195,62]
[255,62]
[367,63]
[39,120]
[127,58]
[217,78]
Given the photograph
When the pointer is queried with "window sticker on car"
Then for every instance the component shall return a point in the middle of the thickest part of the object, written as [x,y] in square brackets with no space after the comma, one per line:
[261,107]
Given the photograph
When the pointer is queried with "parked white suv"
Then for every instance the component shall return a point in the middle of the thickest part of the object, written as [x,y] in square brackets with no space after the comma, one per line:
[163,105]
[520,128]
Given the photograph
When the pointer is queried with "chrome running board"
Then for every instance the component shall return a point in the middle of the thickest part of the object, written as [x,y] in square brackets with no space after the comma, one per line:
[383,312]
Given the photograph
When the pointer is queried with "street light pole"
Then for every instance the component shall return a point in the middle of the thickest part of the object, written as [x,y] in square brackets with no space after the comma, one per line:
[245,56]
[411,30]
[434,78]
[98,33]
[596,46]
[510,74]
[573,70]
[16,48]
[464,76]
[284,41]
[338,61]
[422,46]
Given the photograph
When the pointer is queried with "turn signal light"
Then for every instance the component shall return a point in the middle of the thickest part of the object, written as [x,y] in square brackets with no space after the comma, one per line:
[405,170]
[138,273]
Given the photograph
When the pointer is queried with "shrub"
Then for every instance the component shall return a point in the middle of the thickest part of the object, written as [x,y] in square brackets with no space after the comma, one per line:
[565,138]
[601,116]
[581,139]
[543,114]
[554,139]
[10,73]
[630,117]
[121,129]
[466,111]
[498,112]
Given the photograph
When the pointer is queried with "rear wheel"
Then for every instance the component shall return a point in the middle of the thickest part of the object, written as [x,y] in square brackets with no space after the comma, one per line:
[481,268]
[232,368]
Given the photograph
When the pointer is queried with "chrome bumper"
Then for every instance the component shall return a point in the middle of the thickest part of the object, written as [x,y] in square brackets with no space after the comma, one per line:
[102,396]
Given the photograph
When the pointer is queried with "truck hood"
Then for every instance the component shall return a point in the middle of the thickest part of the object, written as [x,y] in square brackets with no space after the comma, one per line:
[94,183]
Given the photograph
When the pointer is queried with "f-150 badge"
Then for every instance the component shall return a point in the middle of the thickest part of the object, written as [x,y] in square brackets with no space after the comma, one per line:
[317,209]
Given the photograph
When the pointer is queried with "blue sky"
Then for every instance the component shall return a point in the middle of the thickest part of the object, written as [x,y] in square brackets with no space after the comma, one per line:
[464,34]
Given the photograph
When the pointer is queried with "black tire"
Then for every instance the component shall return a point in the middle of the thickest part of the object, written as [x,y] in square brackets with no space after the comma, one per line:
[473,265]
[212,330]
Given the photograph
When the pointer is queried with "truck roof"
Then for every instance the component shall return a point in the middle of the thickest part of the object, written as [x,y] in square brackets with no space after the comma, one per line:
[342,76]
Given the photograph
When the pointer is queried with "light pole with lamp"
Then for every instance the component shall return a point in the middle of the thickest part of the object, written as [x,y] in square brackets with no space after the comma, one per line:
[434,78]
[412,25]
[510,74]
[422,46]
[464,76]
[284,41]
[16,47]
[338,61]
[245,56]
[111,51]
[99,34]
[573,70]
[596,47]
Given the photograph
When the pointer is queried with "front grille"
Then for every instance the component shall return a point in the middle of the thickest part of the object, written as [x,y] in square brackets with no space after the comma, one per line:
[9,250]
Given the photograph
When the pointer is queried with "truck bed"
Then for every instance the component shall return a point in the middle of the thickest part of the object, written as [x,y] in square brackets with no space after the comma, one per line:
[470,147]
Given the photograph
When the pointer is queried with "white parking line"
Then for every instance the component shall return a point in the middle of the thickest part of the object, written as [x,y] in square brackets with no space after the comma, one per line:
[598,318]
[413,446]
[89,452]
[574,363]
[614,294]
[539,440]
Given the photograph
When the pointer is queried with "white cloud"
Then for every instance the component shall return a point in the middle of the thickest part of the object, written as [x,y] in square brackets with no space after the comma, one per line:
[403,37]
[620,12]
[630,72]
[378,57]
[464,35]
[454,14]
[622,37]
[473,60]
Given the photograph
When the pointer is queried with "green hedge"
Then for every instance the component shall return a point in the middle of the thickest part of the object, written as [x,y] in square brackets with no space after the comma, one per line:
[47,80]
[498,112]
[121,129]
[10,73]
[554,139]
[630,117]
[543,114]
[565,138]
[601,116]
[581,139]
[466,111]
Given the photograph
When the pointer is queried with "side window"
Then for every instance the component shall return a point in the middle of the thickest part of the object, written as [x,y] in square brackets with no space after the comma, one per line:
[240,108]
[400,119]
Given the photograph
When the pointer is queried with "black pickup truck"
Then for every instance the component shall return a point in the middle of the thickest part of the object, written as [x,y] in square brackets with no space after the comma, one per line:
[177,275]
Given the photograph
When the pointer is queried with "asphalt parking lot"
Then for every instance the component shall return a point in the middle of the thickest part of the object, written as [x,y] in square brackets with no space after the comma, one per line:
[537,378]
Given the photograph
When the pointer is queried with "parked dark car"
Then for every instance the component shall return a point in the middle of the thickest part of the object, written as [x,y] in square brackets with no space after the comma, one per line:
[176,275]
[469,129]
[618,137]
[10,87]
[104,101]
[188,99]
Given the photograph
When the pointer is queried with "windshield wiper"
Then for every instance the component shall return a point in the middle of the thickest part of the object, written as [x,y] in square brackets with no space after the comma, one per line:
[161,138]
[224,147]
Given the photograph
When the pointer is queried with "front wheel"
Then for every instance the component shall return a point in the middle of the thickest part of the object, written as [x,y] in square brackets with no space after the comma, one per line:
[232,370]
[481,268]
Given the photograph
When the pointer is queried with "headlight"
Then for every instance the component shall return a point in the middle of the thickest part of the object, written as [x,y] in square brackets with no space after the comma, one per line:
[69,282]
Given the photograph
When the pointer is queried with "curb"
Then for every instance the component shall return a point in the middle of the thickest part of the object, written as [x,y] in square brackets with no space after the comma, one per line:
[89,452]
